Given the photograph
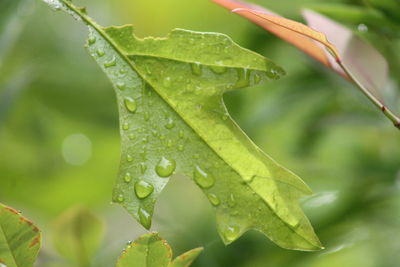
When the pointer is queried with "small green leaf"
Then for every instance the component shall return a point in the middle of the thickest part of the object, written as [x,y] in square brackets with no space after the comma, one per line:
[174,121]
[186,258]
[77,234]
[20,240]
[150,250]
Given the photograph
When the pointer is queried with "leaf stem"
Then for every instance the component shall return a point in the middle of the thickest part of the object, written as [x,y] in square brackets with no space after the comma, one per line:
[386,111]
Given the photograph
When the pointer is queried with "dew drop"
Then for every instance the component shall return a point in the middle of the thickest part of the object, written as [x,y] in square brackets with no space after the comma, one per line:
[165,167]
[243,76]
[218,69]
[92,40]
[180,147]
[128,177]
[129,158]
[123,71]
[130,104]
[170,124]
[143,167]
[203,179]
[196,68]
[125,126]
[169,143]
[225,117]
[213,199]
[230,233]
[121,85]
[143,189]
[181,134]
[100,52]
[249,178]
[131,137]
[167,82]
[162,137]
[144,218]
[120,198]
[110,63]
[231,201]
[257,78]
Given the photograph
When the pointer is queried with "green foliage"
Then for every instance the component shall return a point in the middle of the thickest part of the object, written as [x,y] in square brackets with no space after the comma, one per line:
[150,250]
[20,240]
[173,121]
[77,234]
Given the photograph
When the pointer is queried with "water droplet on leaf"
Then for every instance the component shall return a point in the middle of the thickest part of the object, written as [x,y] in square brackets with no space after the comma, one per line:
[130,104]
[128,177]
[203,179]
[100,52]
[170,124]
[218,69]
[165,167]
[196,68]
[111,63]
[243,80]
[143,189]
[125,126]
[144,218]
[213,199]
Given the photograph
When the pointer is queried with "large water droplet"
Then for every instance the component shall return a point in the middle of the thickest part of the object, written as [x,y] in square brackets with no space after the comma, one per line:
[165,167]
[111,63]
[243,76]
[130,104]
[128,177]
[203,179]
[230,233]
[170,123]
[196,68]
[144,218]
[143,189]
[213,199]
[218,69]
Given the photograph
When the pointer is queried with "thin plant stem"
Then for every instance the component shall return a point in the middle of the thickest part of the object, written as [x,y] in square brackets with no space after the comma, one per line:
[386,111]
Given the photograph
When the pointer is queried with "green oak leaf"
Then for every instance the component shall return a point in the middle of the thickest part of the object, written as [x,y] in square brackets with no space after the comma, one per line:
[150,250]
[20,240]
[173,121]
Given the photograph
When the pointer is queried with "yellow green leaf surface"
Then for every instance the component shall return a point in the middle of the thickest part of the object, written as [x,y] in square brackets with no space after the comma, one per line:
[173,122]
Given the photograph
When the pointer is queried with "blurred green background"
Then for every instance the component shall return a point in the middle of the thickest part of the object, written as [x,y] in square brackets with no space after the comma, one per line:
[59,138]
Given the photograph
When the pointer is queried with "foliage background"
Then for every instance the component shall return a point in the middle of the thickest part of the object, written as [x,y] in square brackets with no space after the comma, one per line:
[59,140]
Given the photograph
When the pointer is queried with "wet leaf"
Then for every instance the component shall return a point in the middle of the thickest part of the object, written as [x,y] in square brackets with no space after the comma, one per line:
[77,234]
[173,121]
[20,240]
[150,250]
